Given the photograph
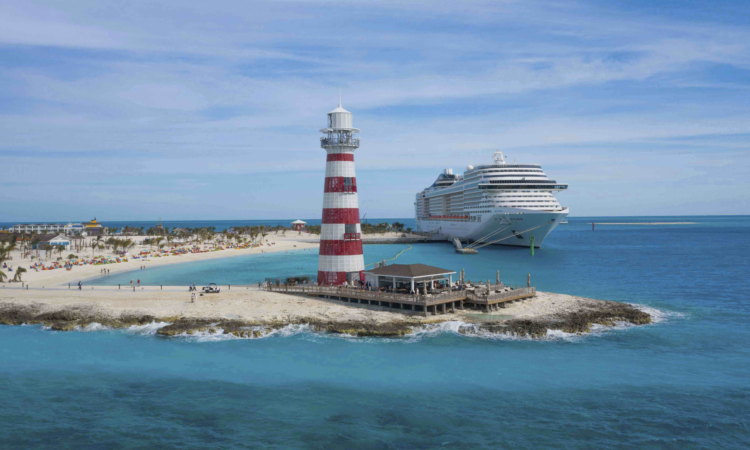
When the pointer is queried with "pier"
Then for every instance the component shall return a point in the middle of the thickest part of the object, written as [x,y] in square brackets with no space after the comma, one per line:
[478,297]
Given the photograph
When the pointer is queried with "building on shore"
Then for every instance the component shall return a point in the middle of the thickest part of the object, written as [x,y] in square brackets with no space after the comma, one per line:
[408,277]
[340,258]
[52,228]
[298,225]
[52,240]
[93,228]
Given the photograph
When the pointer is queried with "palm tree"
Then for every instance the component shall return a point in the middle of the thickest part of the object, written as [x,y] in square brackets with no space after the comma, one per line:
[5,250]
[19,271]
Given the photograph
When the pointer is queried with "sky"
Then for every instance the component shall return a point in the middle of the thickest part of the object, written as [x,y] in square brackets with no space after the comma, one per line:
[210,110]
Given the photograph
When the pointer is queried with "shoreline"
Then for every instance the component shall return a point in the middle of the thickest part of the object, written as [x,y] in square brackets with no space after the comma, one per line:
[274,243]
[254,313]
[61,277]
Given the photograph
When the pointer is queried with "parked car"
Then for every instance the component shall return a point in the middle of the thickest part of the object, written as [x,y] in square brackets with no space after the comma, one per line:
[212,288]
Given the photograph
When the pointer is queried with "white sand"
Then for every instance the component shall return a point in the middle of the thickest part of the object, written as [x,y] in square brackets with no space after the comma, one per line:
[57,277]
[274,242]
[255,305]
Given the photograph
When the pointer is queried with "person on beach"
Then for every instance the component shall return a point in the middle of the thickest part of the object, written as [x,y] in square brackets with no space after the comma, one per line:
[131,283]
[139,282]
[192,297]
[80,285]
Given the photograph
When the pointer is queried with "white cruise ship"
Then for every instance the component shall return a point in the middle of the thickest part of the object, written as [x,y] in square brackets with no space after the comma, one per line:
[499,203]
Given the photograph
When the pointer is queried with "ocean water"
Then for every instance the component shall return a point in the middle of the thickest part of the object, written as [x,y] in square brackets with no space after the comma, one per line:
[679,383]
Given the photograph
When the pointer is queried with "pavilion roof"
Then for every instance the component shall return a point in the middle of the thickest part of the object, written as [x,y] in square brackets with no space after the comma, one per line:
[409,270]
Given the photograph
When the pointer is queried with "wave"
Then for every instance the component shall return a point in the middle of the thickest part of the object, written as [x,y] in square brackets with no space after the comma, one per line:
[219,335]
[148,329]
[657,315]
[93,326]
[475,331]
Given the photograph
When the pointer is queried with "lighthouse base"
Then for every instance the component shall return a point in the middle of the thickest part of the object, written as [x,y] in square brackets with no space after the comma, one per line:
[338,278]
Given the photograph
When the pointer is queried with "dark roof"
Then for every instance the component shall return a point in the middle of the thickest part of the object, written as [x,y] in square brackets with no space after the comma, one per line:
[409,270]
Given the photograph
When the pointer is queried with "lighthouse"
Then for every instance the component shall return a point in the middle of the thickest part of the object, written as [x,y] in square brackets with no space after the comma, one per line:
[340,257]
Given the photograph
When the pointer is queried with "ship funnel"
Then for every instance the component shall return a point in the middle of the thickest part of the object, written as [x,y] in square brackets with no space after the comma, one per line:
[449,171]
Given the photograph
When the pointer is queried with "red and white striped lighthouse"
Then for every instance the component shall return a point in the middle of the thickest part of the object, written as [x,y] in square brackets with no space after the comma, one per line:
[340,256]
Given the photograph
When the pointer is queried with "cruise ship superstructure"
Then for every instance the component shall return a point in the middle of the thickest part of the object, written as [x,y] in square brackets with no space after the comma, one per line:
[499,203]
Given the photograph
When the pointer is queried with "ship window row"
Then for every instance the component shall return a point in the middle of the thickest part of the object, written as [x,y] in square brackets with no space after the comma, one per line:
[517,181]
[508,166]
[524,196]
[515,170]
[518,175]
[527,186]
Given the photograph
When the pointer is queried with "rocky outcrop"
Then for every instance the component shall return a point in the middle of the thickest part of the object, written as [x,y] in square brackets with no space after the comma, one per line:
[69,318]
[607,314]
[259,329]
[65,319]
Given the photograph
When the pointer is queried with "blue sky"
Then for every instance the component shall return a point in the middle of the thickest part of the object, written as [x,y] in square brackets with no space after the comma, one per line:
[211,110]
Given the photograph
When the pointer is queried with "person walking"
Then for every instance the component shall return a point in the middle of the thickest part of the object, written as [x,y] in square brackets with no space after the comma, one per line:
[192,297]
[80,285]
[131,283]
[139,282]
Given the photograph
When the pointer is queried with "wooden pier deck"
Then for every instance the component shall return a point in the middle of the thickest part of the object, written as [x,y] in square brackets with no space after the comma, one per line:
[431,304]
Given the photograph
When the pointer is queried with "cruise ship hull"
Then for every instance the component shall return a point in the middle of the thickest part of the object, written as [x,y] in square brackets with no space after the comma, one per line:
[512,227]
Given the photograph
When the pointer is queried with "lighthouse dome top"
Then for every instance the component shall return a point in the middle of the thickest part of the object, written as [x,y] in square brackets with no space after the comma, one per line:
[339,120]
[339,109]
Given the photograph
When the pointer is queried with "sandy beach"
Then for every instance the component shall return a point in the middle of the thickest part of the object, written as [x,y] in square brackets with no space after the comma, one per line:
[274,242]
[255,305]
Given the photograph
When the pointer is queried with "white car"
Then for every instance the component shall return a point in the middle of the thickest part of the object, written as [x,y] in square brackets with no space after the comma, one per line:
[212,288]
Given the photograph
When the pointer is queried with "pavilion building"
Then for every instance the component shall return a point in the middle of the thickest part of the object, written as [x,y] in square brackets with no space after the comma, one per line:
[408,277]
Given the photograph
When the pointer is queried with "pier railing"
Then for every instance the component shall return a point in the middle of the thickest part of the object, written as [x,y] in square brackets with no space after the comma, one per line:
[353,292]
[497,294]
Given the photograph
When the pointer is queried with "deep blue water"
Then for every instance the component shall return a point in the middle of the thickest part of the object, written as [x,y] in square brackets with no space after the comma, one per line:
[680,383]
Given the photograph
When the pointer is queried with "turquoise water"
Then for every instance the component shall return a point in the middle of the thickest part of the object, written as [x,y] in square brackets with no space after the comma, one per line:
[680,383]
